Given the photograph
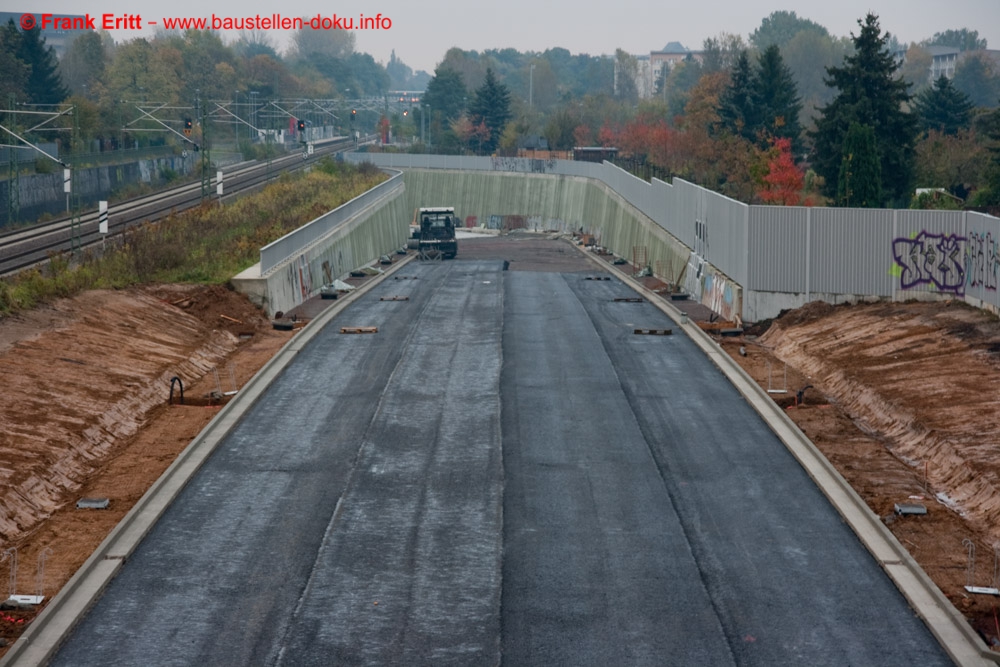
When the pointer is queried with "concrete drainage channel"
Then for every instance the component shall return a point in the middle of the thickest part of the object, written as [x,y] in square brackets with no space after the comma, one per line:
[41,640]
[945,622]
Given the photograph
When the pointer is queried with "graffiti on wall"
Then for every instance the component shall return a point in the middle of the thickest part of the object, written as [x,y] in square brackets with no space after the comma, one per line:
[507,222]
[523,164]
[982,267]
[719,294]
[931,259]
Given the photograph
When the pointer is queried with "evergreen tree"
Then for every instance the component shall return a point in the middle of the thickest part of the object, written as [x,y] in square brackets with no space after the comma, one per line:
[859,183]
[943,107]
[44,85]
[869,94]
[445,93]
[738,103]
[777,100]
[491,107]
[15,71]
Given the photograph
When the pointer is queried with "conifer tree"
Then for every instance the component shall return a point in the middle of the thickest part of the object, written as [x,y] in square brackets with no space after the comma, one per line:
[870,94]
[44,86]
[13,71]
[491,107]
[446,93]
[943,107]
[859,183]
[777,99]
[737,105]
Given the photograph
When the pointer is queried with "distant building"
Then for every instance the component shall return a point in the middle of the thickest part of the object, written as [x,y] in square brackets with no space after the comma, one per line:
[594,153]
[668,57]
[646,84]
[57,39]
[943,61]
[534,142]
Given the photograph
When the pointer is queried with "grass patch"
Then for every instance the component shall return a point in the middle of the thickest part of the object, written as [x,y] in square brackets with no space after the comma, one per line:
[206,245]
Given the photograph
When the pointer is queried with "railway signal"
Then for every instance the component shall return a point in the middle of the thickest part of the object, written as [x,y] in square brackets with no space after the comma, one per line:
[302,125]
[188,126]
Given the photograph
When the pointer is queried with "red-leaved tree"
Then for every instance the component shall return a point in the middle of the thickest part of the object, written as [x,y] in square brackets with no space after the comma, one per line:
[783,182]
[608,135]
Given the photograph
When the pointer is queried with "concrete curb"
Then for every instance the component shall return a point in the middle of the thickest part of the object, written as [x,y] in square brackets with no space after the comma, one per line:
[945,622]
[50,628]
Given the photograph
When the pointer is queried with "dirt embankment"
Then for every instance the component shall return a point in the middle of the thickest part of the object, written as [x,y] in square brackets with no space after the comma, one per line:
[86,412]
[903,401]
[925,378]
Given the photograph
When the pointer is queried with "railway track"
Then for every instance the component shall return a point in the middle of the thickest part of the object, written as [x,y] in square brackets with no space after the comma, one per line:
[28,247]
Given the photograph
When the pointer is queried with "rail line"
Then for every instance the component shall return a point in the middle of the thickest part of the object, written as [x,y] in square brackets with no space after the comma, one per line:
[31,246]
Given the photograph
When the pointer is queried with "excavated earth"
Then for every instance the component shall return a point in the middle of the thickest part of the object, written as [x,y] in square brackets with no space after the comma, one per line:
[86,413]
[903,400]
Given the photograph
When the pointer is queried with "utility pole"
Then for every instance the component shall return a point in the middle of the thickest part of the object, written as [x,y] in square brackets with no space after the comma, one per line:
[14,184]
[76,242]
[531,84]
[206,162]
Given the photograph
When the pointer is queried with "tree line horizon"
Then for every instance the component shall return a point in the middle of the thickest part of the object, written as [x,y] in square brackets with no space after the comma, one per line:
[782,117]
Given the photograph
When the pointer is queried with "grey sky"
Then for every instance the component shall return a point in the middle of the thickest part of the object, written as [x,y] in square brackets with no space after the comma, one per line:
[422,31]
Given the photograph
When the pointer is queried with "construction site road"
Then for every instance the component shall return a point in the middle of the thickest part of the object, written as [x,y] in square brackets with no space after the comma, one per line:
[505,473]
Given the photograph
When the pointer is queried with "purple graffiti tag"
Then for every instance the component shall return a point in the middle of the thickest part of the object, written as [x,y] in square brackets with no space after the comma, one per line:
[933,259]
[982,267]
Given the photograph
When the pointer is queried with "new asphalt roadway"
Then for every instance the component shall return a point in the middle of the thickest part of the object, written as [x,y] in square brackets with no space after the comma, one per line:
[504,474]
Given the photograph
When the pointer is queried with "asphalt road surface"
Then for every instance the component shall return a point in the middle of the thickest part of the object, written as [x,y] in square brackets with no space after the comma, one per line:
[504,474]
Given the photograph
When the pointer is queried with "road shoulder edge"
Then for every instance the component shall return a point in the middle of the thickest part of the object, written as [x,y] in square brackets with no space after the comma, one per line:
[40,641]
[945,622]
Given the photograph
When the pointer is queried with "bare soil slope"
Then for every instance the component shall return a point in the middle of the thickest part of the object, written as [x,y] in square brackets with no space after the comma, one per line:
[898,390]
[903,399]
[86,412]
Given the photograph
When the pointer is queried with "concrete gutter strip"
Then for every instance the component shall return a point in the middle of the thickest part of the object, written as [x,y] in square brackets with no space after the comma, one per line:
[45,634]
[948,626]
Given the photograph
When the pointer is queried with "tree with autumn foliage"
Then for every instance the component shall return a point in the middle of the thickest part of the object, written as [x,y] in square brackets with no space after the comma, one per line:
[608,135]
[783,182]
[650,141]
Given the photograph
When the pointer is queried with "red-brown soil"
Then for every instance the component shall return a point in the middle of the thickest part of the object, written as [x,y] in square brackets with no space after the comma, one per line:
[903,402]
[86,411]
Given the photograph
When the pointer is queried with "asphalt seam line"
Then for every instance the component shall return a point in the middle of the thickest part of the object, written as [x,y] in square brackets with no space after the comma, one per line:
[948,626]
[50,628]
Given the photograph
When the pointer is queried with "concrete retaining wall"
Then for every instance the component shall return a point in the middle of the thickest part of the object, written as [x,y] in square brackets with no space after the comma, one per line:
[543,202]
[574,203]
[43,193]
[373,232]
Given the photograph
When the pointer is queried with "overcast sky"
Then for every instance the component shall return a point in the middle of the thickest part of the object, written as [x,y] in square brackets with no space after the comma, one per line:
[422,30]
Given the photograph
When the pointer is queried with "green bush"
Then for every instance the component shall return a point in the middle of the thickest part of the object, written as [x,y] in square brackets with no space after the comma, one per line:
[935,201]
